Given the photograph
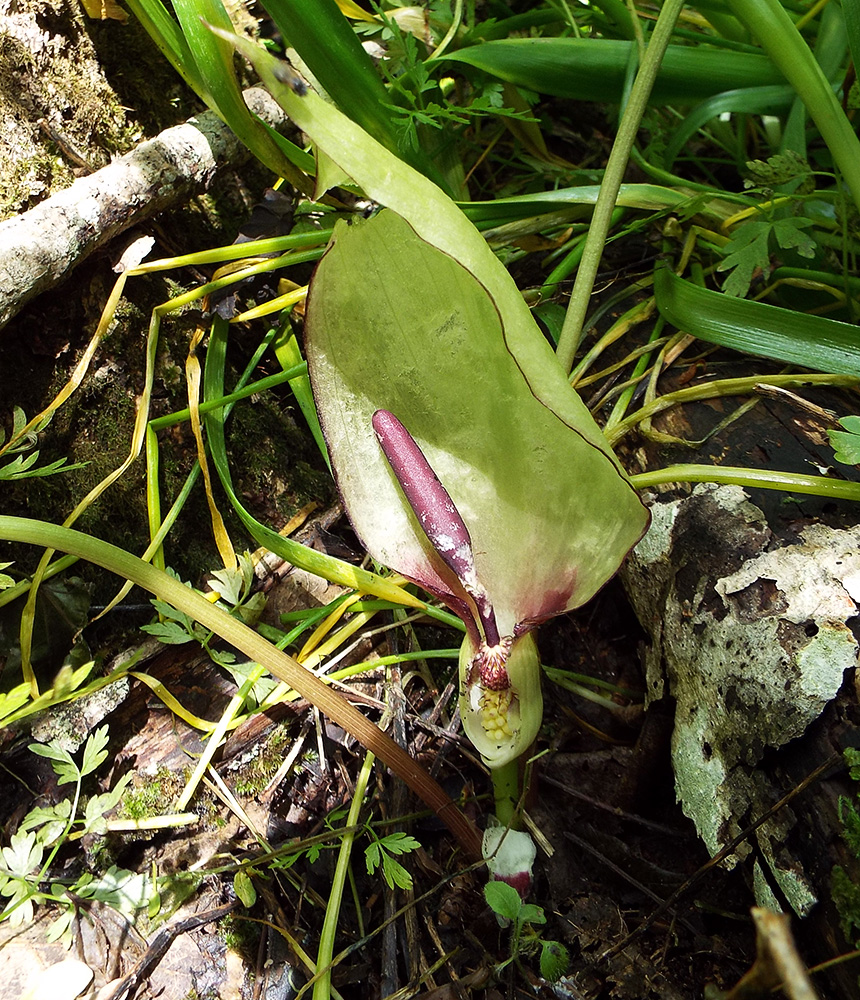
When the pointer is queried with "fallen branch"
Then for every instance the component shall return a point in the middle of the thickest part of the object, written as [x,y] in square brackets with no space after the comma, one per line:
[39,248]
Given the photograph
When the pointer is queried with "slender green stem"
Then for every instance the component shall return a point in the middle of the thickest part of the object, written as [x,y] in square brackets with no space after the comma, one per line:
[769,22]
[61,840]
[790,482]
[322,985]
[506,793]
[180,416]
[573,322]
[237,251]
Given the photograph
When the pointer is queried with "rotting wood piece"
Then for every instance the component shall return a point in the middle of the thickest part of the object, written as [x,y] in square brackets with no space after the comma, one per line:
[39,248]
[751,602]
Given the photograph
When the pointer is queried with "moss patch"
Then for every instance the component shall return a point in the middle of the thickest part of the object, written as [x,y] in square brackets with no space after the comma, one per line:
[60,116]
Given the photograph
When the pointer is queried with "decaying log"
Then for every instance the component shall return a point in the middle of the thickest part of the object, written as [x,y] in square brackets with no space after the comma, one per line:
[39,248]
[751,603]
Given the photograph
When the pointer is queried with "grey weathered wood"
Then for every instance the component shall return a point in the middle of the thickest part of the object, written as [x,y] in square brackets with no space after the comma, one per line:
[39,248]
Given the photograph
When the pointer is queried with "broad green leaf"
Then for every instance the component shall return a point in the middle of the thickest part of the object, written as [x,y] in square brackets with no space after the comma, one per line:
[413,314]
[603,514]
[554,960]
[772,99]
[815,342]
[310,559]
[594,69]
[503,899]
[437,220]
[394,324]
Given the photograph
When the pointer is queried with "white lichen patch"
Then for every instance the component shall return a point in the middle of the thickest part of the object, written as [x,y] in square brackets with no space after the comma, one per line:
[753,641]
[657,540]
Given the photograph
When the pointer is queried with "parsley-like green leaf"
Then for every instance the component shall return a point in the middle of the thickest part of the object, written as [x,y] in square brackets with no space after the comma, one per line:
[750,247]
[170,633]
[846,444]
[23,855]
[95,753]
[61,760]
[50,821]
[399,843]
[394,873]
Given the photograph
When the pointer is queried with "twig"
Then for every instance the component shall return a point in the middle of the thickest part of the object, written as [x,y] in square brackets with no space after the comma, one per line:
[158,948]
[39,248]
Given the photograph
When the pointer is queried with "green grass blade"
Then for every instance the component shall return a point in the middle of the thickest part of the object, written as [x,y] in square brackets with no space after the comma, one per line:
[334,570]
[769,22]
[589,69]
[851,13]
[768,479]
[167,35]
[748,100]
[206,62]
[324,39]
[651,197]
[289,355]
[326,42]
[766,331]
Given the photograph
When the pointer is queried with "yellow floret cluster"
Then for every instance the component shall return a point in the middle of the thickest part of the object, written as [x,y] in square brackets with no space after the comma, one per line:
[495,708]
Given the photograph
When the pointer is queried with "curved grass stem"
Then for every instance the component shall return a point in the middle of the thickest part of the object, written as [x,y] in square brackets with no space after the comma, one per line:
[571,332]
[257,649]
[790,482]
[723,387]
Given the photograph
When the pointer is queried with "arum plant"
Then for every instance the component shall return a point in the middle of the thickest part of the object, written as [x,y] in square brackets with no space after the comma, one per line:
[411,313]
[454,470]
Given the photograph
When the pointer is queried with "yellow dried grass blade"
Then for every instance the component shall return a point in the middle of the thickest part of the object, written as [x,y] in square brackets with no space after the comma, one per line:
[218,733]
[193,377]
